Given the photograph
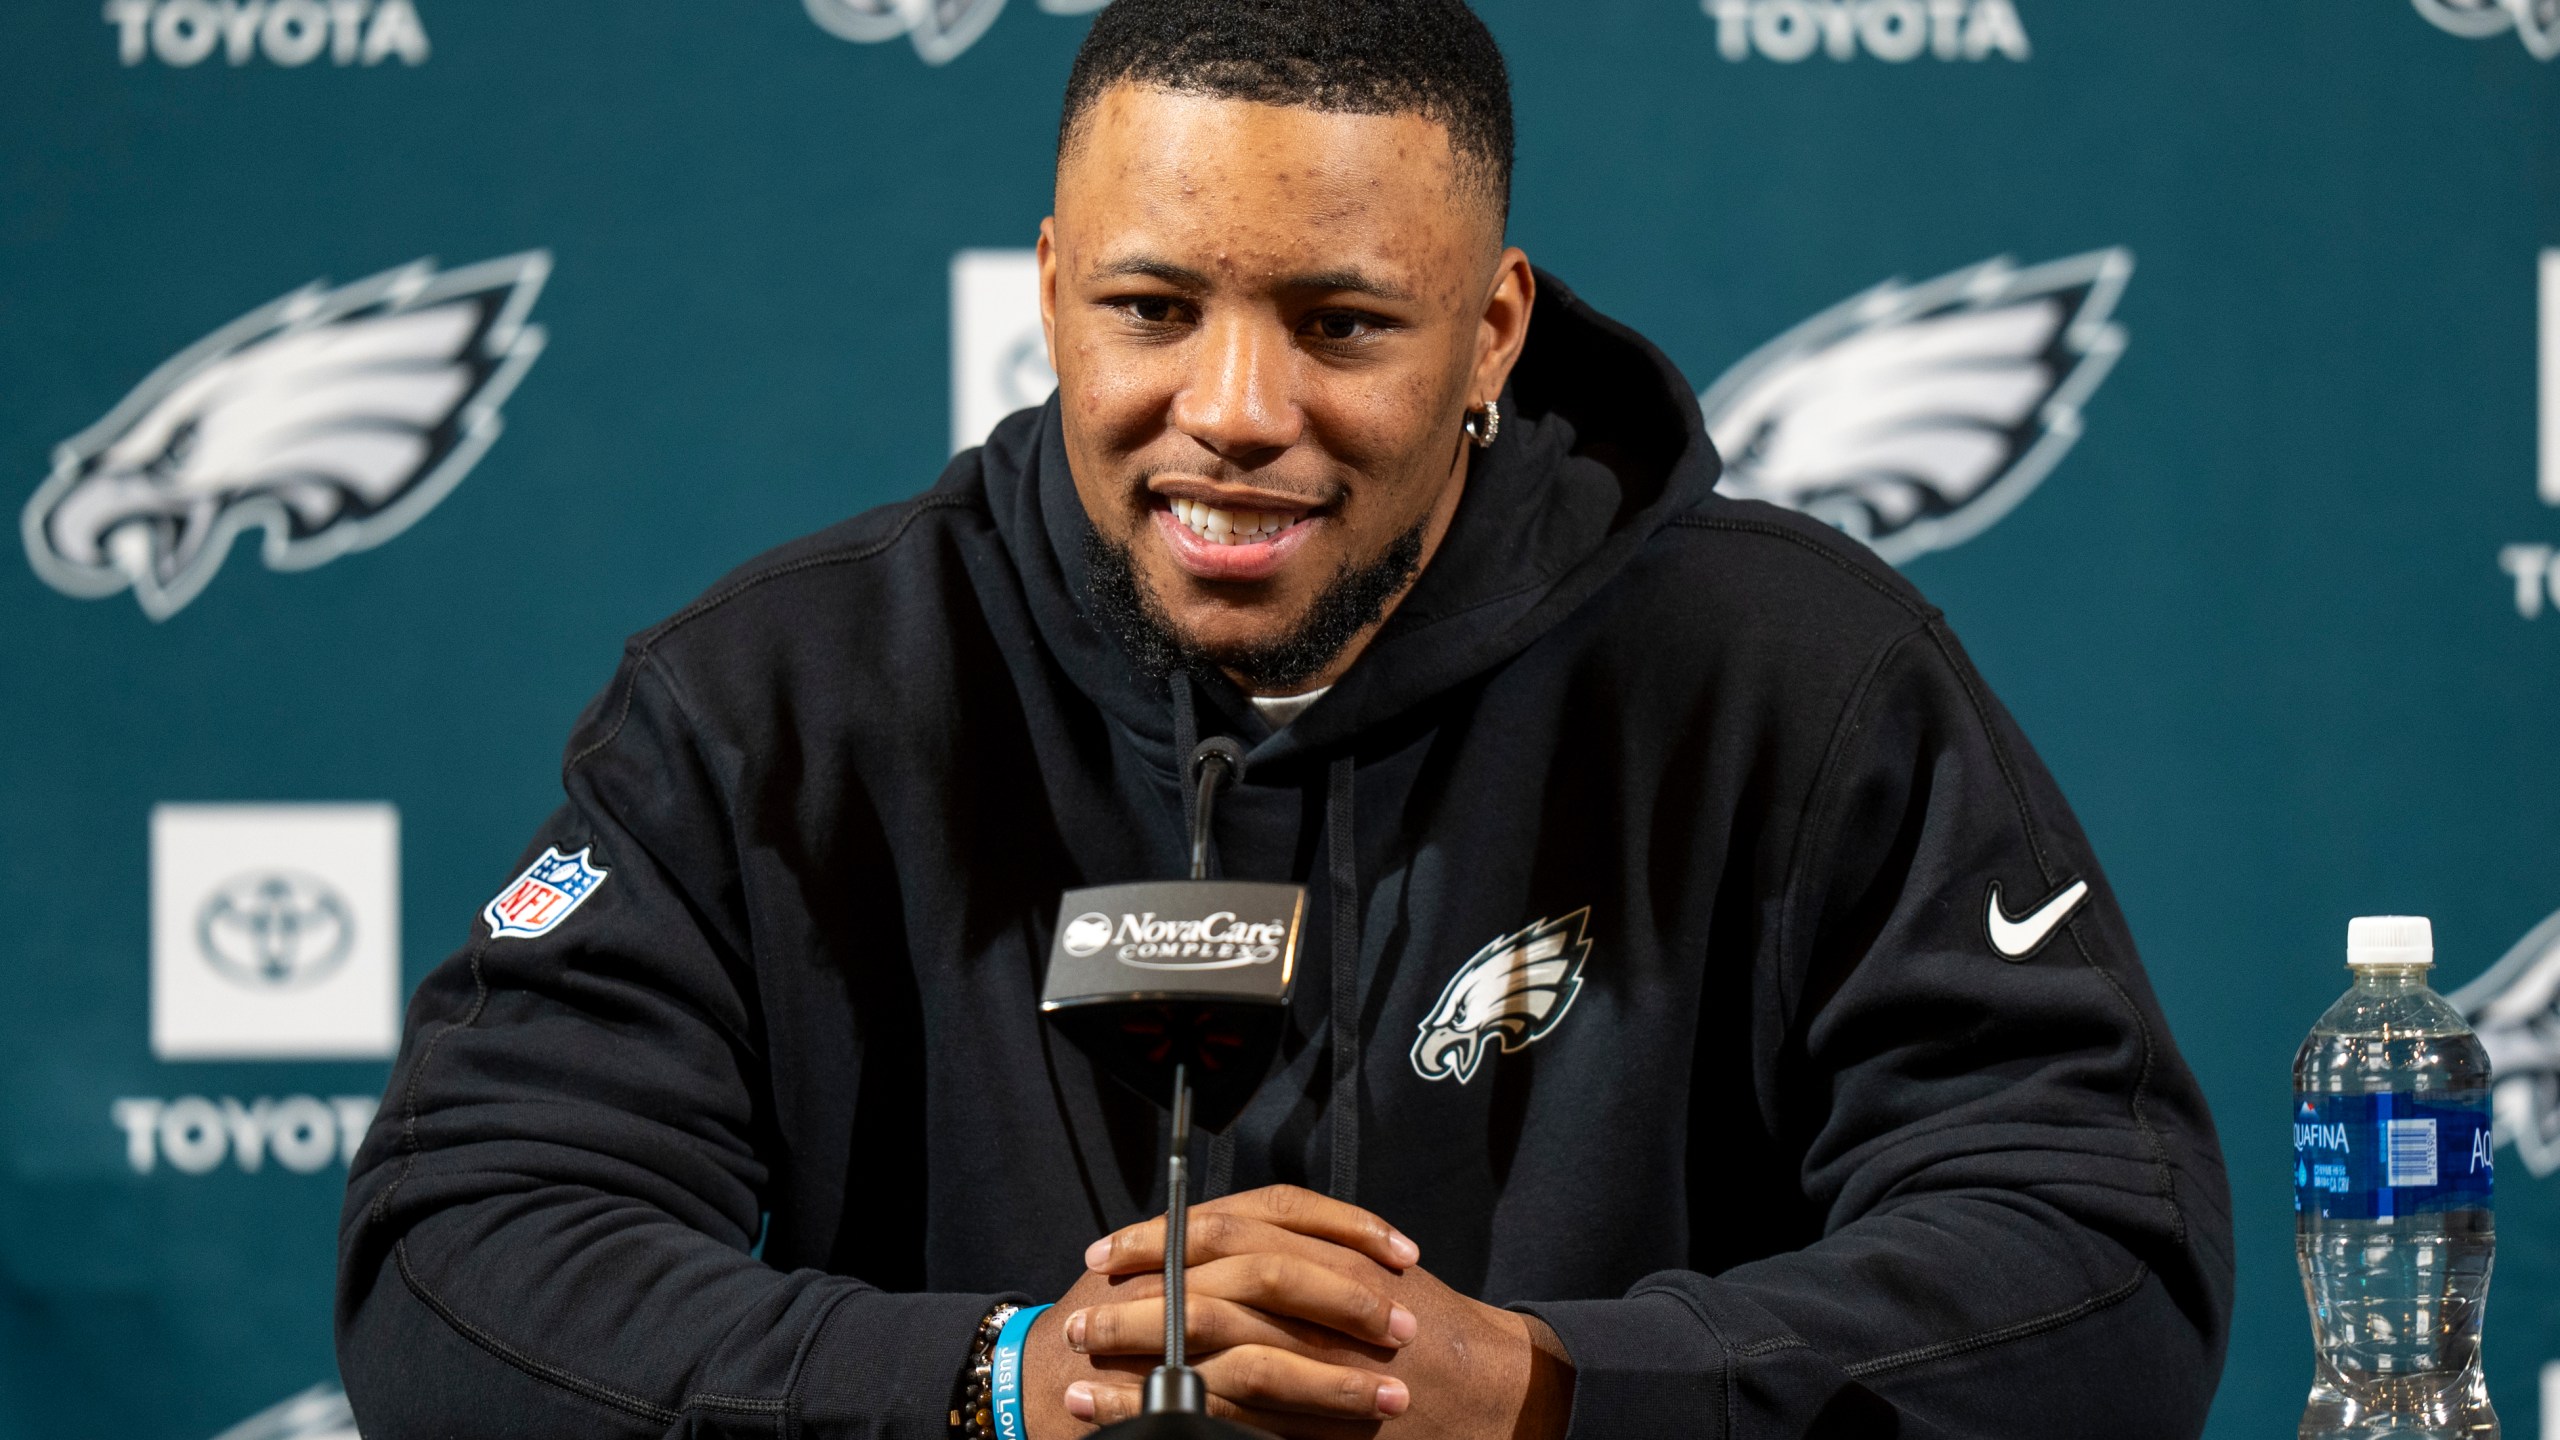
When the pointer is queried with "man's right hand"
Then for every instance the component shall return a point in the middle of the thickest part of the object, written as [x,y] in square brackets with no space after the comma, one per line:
[1290,1322]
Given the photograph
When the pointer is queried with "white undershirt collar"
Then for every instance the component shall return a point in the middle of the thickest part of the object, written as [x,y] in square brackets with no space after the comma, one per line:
[1278,710]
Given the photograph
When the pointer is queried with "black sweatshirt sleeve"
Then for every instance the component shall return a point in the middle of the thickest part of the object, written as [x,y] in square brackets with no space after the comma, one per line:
[2025,1224]
[548,1231]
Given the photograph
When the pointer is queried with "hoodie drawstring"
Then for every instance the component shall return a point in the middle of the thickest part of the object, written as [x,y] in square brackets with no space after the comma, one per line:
[1220,1173]
[1186,738]
[1343,861]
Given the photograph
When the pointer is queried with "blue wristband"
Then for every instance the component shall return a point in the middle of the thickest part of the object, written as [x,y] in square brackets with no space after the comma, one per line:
[1004,1372]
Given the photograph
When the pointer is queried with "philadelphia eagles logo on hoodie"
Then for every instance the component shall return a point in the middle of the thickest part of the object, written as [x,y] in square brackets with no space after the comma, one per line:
[1912,416]
[329,419]
[2515,1007]
[1508,994]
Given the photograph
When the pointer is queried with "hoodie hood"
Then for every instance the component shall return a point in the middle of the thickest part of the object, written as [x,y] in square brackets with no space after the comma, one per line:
[1601,443]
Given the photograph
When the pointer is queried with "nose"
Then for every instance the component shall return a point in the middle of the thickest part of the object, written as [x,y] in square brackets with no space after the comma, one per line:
[1237,400]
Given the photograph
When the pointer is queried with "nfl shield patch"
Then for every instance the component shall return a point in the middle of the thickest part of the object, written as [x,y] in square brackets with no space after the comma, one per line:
[542,896]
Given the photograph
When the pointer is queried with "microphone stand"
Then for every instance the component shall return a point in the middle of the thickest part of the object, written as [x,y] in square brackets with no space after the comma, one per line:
[1174,1387]
[1176,1402]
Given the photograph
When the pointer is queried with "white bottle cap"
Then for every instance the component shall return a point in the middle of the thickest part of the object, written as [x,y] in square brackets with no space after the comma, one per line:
[2391,940]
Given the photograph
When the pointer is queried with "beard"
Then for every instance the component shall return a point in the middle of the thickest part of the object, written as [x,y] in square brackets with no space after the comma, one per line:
[1350,602]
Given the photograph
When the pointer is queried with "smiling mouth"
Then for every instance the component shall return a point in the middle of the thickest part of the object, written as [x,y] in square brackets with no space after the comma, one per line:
[1231,527]
[1247,540]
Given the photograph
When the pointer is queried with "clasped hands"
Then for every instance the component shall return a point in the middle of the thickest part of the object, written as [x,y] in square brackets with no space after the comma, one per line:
[1307,1318]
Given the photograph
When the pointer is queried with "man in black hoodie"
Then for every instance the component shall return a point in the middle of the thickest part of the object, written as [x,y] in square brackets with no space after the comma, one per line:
[1713,1022]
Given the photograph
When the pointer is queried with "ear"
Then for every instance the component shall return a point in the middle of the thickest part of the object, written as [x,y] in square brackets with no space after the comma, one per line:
[1049,289]
[1503,330]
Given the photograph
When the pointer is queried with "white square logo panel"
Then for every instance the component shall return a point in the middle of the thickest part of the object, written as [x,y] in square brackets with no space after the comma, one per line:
[275,931]
[2550,377]
[999,357]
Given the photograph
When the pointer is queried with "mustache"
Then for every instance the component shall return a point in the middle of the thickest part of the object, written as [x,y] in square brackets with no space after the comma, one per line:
[1186,480]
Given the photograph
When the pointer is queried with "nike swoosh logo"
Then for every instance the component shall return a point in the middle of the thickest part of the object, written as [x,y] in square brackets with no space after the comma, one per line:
[2017,939]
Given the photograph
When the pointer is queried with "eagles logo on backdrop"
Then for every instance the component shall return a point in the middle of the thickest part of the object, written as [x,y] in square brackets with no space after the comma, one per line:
[2515,1007]
[2536,22]
[939,29]
[1509,994]
[330,419]
[319,1413]
[1913,416]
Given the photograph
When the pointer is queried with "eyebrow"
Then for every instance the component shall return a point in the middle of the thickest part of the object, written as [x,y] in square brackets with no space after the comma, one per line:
[1351,281]
[1141,268]
[1343,281]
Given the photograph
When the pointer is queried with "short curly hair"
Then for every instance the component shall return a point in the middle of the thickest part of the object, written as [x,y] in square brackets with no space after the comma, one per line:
[1431,58]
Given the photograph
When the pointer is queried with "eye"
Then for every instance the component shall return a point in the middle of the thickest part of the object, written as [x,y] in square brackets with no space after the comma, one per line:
[1152,309]
[1342,327]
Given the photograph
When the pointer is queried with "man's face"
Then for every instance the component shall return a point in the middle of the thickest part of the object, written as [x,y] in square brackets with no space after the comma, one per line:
[1268,323]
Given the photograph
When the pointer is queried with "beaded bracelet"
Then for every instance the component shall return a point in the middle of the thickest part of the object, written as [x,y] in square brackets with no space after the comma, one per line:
[973,1412]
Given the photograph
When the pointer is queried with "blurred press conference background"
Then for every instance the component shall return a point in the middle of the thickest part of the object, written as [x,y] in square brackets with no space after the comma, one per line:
[2201,358]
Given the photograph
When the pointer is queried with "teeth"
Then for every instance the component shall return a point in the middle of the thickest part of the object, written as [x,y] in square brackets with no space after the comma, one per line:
[1228,527]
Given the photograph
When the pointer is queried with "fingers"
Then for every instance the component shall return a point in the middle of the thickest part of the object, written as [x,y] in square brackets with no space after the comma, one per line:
[1140,1248]
[1136,1327]
[1120,1402]
[1215,1322]
[1262,1377]
[1224,1225]
[1253,1378]
[1299,1288]
[1105,1404]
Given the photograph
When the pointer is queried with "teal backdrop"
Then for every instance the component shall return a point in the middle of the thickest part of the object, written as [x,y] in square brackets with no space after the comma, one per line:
[2272,597]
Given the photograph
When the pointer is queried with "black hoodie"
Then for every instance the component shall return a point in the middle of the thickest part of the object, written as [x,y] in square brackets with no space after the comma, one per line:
[1780,1137]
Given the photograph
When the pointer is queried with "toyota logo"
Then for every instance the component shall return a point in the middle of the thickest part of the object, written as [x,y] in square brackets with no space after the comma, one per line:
[274,929]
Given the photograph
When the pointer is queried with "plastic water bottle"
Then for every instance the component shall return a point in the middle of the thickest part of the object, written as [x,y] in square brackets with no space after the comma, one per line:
[2391,1189]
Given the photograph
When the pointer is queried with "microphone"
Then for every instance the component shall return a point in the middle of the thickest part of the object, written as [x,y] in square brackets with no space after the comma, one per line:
[1178,989]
